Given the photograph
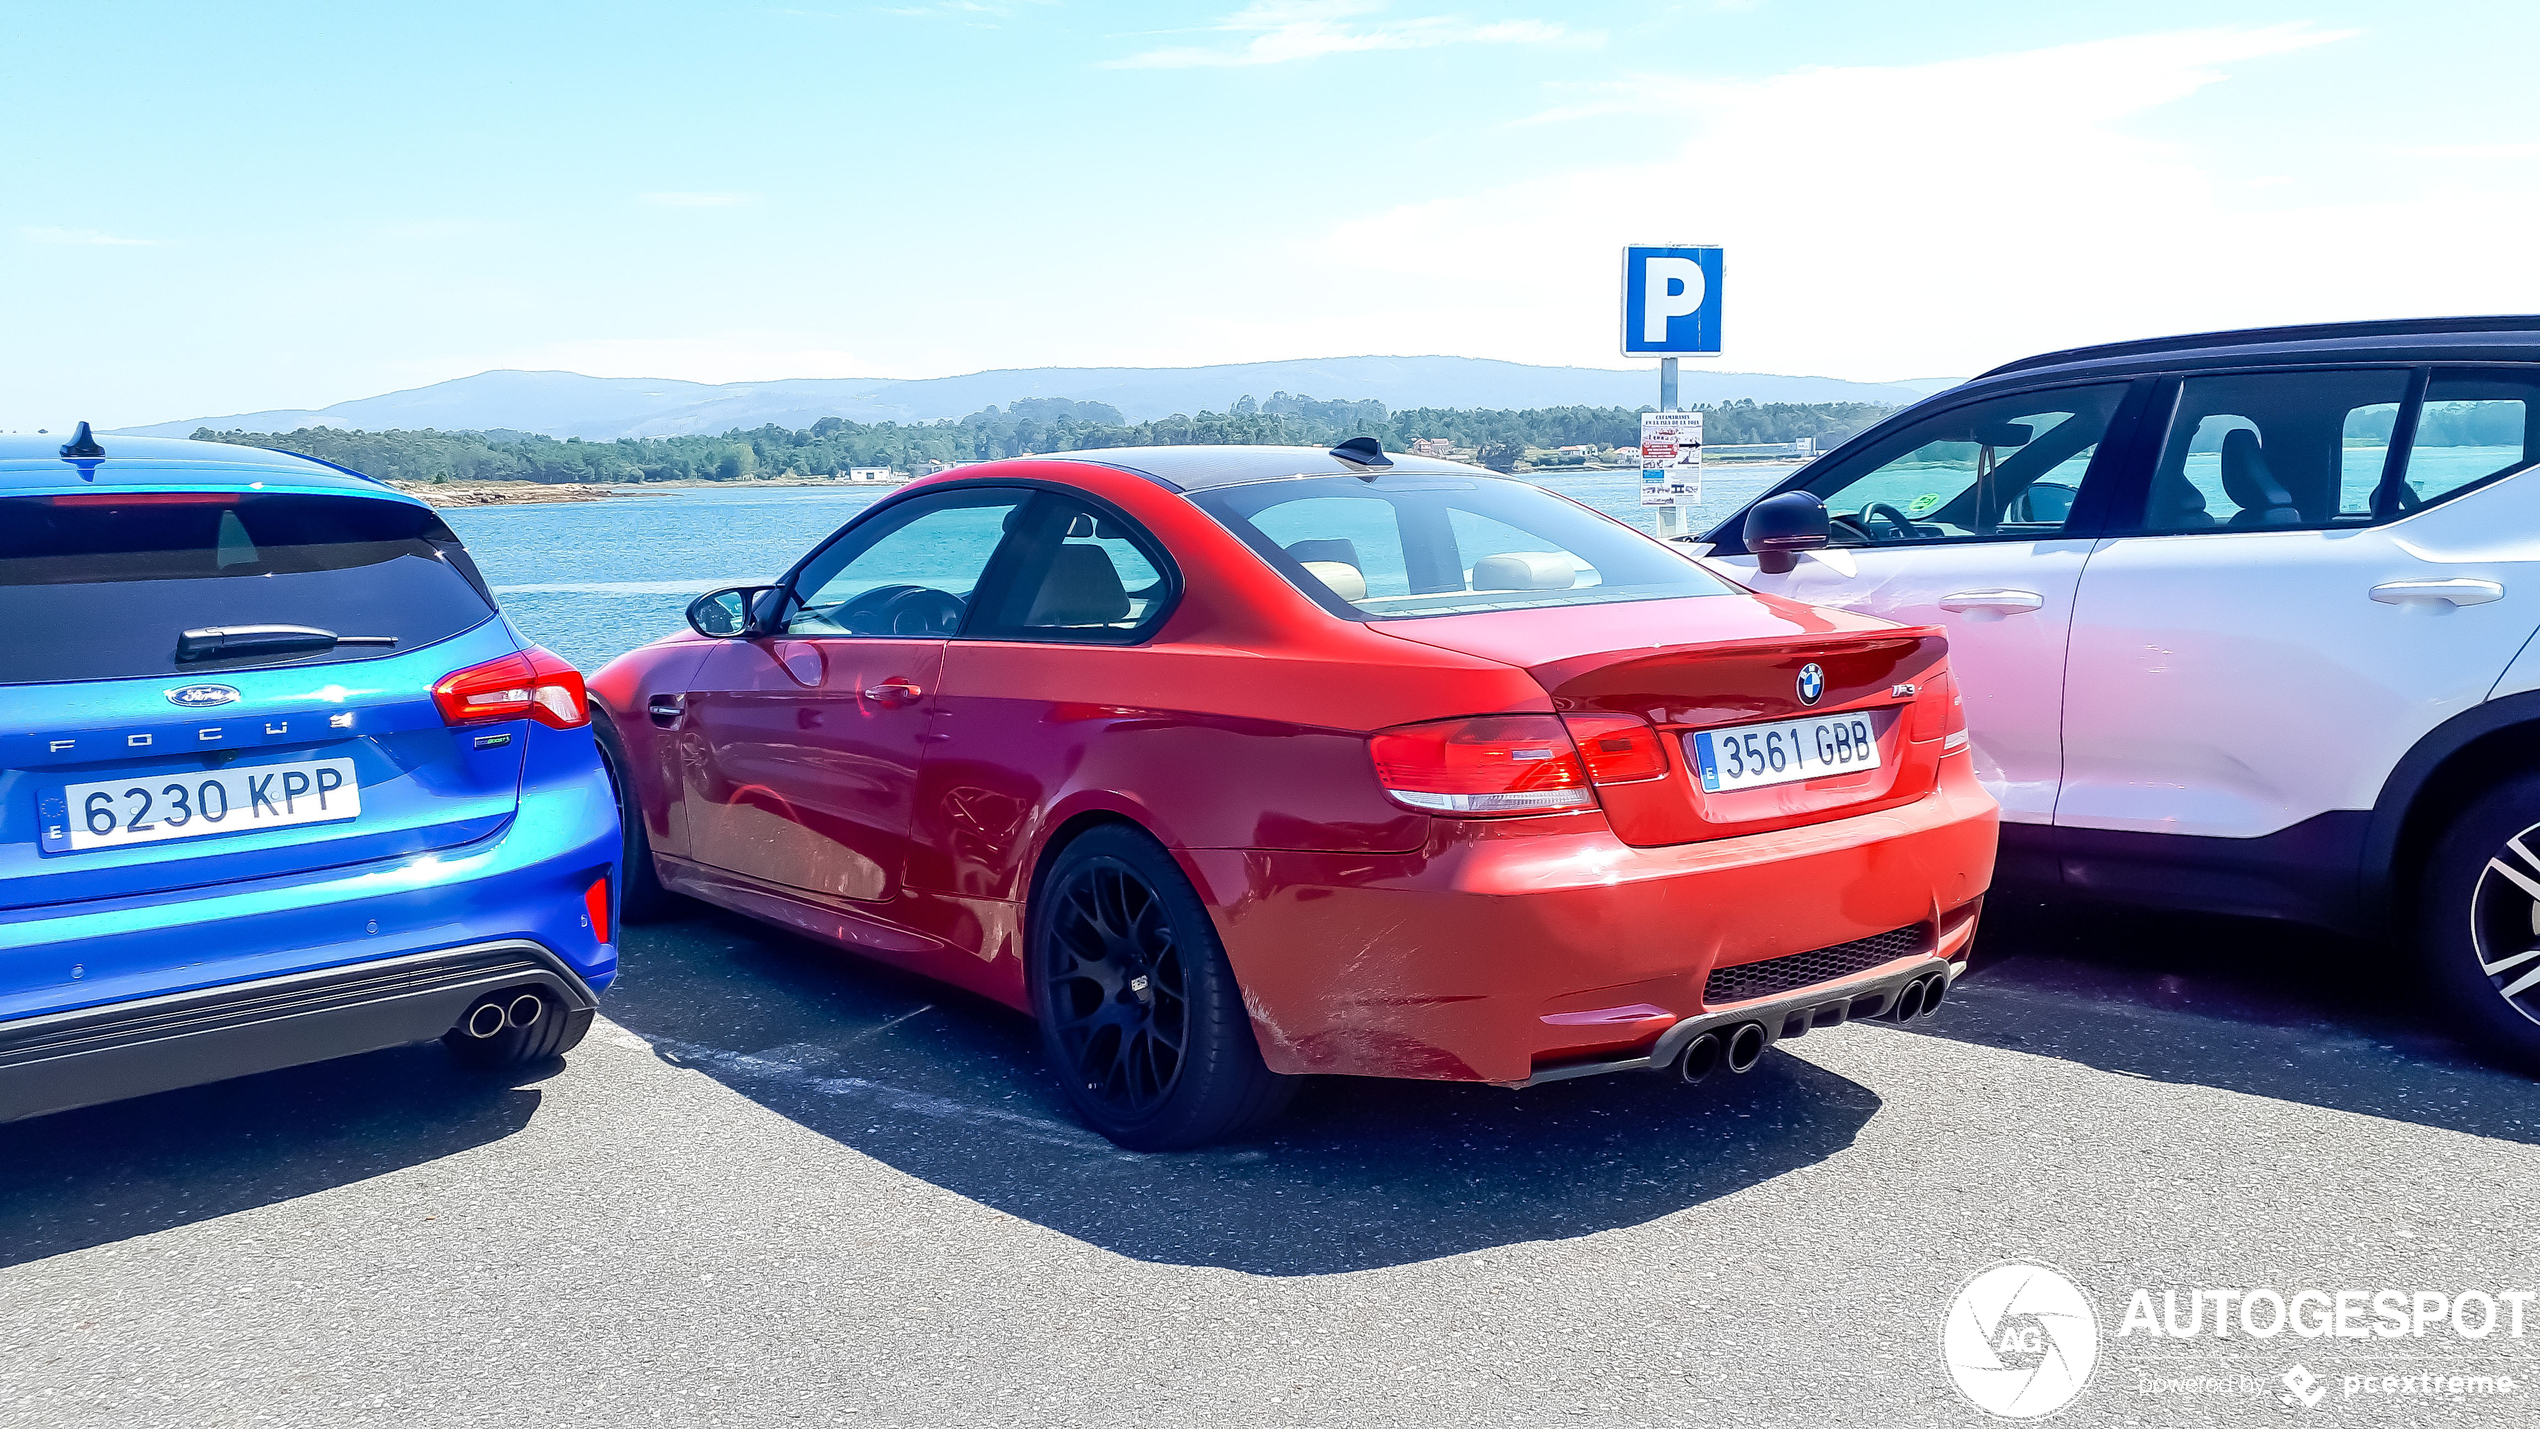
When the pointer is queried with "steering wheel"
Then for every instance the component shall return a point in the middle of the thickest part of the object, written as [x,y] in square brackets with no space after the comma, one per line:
[901,610]
[1881,511]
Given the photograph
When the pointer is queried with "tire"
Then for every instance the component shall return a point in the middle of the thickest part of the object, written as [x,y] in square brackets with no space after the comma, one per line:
[641,898]
[555,1032]
[1122,958]
[2478,921]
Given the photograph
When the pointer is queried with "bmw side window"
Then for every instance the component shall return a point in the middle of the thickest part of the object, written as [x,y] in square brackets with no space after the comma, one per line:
[2267,450]
[909,571]
[2475,427]
[2006,469]
[1073,572]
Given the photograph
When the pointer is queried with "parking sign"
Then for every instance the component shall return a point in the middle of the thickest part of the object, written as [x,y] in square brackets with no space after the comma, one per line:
[1671,300]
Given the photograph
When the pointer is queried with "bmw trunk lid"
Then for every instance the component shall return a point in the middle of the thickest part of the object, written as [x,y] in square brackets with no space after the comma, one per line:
[1746,663]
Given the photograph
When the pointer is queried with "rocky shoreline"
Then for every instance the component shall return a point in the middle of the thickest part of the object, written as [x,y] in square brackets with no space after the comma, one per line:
[509,493]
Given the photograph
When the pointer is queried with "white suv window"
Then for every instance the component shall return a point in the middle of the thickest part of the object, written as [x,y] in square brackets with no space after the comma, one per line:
[2475,427]
[2273,450]
[2002,470]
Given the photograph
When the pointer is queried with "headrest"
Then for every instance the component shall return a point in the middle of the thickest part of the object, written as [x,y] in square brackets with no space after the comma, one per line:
[1525,570]
[2246,477]
[1330,549]
[1082,588]
[1346,580]
[1101,528]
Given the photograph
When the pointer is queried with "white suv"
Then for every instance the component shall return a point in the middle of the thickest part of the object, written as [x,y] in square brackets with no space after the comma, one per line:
[2243,622]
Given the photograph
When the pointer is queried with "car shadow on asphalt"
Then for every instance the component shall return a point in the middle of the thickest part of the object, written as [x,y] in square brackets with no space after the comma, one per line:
[2265,1009]
[102,1174]
[1360,1173]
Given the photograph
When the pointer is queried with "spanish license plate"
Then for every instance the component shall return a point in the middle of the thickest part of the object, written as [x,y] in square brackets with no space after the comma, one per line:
[1782,752]
[155,808]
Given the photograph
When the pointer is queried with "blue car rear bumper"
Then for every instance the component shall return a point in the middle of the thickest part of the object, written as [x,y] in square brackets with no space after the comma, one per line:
[333,952]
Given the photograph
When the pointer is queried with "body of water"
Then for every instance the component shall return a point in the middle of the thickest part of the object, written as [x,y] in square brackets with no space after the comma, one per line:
[594,580]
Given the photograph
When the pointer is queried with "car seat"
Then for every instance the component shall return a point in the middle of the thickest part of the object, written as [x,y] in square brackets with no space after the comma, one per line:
[2250,482]
[1334,548]
[1525,570]
[2177,505]
[1082,588]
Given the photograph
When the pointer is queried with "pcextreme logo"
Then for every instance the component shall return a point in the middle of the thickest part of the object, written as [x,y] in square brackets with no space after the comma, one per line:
[2020,1340]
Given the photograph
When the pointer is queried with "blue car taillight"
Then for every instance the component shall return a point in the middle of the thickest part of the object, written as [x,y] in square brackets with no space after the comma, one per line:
[534,684]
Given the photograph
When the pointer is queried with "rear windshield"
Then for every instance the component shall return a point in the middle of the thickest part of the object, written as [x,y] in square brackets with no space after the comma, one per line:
[1393,547]
[100,585]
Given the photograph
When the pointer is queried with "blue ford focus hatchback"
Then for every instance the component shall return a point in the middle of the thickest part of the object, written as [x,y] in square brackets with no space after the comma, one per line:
[278,782]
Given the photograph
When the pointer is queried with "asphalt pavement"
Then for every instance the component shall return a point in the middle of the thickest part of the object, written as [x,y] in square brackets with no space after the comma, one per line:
[779,1185]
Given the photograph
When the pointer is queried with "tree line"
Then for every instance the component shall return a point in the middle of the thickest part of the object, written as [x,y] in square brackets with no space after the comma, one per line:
[832,445]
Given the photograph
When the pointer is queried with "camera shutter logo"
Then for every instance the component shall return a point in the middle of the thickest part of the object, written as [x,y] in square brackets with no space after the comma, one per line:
[2020,1340]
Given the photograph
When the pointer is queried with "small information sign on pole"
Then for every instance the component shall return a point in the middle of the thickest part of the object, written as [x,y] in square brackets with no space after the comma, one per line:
[1670,461]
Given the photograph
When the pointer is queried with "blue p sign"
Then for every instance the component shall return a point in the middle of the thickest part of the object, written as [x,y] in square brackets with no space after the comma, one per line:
[1671,301]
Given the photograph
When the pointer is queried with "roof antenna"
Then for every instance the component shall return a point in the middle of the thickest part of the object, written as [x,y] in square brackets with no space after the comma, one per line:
[1364,455]
[82,444]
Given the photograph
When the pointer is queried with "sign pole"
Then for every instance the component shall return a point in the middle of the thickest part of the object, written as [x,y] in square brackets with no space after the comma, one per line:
[1670,519]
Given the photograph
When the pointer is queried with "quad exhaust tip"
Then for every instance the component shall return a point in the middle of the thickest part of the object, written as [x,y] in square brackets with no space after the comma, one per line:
[1746,1047]
[490,1017]
[1921,998]
[1701,1058]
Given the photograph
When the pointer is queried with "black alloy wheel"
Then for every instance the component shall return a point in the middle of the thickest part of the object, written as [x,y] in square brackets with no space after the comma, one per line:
[2479,920]
[1139,1009]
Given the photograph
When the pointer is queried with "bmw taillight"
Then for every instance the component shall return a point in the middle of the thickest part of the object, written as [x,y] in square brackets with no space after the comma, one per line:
[1618,749]
[1956,739]
[1492,765]
[533,684]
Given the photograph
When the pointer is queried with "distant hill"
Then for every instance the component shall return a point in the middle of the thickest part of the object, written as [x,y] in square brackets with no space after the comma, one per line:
[568,404]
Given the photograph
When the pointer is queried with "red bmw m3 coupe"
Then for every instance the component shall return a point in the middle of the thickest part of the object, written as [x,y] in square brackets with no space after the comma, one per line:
[1236,764]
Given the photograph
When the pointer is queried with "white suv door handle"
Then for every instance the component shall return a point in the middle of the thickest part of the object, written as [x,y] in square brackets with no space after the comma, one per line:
[2453,592]
[2005,601]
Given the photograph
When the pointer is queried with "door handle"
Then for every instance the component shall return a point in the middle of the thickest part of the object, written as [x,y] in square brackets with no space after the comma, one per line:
[2005,601]
[894,692]
[666,709]
[2451,592]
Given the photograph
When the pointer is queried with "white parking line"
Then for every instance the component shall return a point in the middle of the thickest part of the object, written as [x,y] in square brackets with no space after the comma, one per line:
[795,1065]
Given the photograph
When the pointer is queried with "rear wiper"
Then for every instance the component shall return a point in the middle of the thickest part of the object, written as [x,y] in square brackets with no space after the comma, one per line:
[220,642]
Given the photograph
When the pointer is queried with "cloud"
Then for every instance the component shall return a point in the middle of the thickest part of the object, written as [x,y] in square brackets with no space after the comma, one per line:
[1277,31]
[957,8]
[87,237]
[1935,217]
[699,200]
[2466,151]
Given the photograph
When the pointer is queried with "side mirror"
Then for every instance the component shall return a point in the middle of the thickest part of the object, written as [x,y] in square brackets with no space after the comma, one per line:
[734,610]
[1778,528]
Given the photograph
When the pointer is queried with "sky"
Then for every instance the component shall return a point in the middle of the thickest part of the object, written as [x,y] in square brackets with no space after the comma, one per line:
[217,209]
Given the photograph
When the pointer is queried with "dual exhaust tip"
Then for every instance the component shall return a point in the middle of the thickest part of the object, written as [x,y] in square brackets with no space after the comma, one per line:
[1740,1047]
[502,1012]
[1921,998]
